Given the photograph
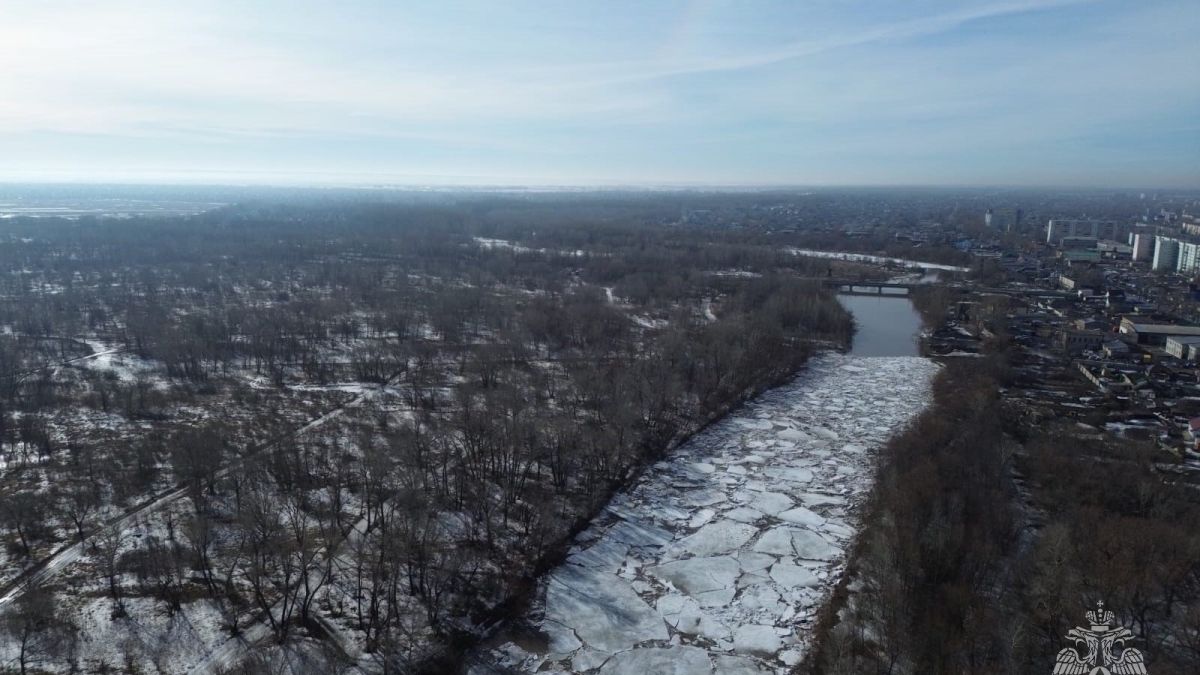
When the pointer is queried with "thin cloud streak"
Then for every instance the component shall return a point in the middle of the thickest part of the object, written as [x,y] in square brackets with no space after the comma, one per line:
[734,96]
[912,28]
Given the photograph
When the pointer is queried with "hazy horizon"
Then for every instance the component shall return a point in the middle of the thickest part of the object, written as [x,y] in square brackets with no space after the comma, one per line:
[699,94]
[341,182]
[237,180]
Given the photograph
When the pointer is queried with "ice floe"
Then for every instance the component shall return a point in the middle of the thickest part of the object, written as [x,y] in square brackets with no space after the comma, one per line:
[717,560]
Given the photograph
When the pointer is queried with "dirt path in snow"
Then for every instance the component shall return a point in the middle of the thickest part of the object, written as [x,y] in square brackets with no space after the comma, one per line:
[63,557]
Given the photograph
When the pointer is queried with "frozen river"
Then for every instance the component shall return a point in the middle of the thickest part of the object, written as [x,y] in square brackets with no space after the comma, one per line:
[718,559]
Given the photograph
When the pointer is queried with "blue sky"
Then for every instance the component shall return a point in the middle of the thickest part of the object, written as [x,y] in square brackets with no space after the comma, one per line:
[803,92]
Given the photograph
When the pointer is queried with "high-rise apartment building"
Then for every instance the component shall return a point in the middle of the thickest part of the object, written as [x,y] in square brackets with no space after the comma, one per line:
[1143,246]
[1166,254]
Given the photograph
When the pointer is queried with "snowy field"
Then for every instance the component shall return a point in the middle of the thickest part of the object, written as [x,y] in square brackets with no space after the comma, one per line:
[717,561]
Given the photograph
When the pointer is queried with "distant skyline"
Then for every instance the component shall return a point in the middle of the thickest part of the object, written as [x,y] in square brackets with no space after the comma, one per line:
[1099,93]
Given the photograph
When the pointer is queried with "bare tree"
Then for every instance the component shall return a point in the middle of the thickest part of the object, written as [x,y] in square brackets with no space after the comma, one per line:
[24,513]
[37,630]
[79,500]
[107,545]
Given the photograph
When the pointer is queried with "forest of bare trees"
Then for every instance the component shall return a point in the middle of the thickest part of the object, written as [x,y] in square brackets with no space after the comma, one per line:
[348,427]
[988,539]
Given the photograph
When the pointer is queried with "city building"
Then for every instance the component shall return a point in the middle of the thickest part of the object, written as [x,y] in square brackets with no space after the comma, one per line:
[1076,341]
[1059,228]
[1077,243]
[1115,349]
[1005,219]
[1185,347]
[1154,333]
[1081,255]
[1166,254]
[1188,261]
[1192,435]
[1143,246]
[1114,250]
[1173,254]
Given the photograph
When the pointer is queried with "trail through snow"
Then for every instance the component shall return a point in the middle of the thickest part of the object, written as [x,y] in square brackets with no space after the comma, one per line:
[62,558]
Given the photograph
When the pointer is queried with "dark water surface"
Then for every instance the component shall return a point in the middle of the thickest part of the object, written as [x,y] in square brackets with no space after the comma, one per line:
[887,326]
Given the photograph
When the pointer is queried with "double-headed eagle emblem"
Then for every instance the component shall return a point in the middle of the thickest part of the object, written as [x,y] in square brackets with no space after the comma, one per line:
[1099,639]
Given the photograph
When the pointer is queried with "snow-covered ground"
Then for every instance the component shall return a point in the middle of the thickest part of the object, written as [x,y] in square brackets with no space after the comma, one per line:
[877,259]
[109,358]
[718,559]
[517,248]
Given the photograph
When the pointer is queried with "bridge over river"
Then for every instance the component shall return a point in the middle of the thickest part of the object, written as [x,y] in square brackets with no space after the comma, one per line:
[856,287]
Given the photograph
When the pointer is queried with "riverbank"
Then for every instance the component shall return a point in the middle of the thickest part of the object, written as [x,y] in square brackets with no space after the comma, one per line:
[937,528]
[876,259]
[721,554]
[466,650]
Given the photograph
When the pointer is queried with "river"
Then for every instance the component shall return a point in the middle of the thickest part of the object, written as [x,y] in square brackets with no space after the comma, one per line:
[718,559]
[886,326]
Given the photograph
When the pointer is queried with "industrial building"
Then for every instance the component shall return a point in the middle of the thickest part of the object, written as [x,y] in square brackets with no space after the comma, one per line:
[1184,346]
[1155,334]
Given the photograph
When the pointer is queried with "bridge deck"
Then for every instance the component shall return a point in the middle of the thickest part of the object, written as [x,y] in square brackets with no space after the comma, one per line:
[856,287]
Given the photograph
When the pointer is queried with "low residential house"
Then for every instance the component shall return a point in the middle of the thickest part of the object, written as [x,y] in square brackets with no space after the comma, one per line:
[1192,435]
[1115,349]
[1137,305]
[1186,406]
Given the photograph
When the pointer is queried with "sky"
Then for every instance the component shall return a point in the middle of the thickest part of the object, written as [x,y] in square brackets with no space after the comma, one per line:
[644,92]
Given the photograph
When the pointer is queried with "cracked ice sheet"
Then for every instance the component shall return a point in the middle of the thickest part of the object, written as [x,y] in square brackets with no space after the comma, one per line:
[718,559]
